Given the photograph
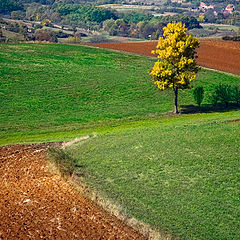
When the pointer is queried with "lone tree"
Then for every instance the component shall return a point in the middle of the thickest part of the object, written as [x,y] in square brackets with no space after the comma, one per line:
[176,65]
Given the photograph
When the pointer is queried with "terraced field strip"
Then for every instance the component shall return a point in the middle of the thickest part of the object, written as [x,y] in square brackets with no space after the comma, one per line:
[35,204]
[215,54]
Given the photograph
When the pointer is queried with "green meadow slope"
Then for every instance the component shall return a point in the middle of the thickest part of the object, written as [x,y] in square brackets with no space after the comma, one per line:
[180,175]
[53,92]
[177,173]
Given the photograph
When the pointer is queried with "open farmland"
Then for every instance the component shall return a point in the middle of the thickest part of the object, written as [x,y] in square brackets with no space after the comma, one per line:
[187,164]
[215,54]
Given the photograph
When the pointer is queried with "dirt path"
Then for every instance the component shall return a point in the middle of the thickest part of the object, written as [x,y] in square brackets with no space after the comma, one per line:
[215,54]
[35,204]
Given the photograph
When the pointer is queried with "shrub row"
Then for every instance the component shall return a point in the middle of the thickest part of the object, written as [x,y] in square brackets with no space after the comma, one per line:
[223,93]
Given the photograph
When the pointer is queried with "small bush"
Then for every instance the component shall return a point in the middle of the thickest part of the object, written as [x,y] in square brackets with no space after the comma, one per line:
[62,34]
[62,160]
[223,93]
[17,15]
[213,99]
[236,94]
[226,38]
[198,94]
[37,26]
[73,40]
[98,39]
[235,38]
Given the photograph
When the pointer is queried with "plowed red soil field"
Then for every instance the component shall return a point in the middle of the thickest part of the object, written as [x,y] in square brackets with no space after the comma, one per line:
[35,204]
[215,54]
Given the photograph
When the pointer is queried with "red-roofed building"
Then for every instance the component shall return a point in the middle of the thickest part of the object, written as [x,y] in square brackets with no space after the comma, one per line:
[203,6]
[229,8]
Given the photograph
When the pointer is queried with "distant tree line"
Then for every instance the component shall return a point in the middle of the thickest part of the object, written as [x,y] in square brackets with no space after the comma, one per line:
[147,27]
[7,6]
[139,24]
[78,13]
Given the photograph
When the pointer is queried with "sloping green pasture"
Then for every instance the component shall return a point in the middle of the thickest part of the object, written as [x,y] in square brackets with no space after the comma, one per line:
[53,92]
[181,175]
[178,173]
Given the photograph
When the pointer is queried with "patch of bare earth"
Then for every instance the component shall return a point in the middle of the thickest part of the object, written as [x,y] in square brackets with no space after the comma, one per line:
[35,204]
[233,121]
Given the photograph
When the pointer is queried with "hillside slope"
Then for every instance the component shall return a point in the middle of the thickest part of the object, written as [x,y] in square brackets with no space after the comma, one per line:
[55,92]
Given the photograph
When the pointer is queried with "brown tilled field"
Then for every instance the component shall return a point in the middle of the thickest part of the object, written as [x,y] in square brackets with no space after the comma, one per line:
[215,54]
[35,204]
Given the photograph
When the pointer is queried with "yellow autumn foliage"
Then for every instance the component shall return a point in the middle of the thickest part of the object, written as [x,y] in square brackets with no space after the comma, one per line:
[176,65]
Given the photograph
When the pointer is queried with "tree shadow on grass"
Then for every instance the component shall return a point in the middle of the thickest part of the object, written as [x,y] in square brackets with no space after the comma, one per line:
[208,108]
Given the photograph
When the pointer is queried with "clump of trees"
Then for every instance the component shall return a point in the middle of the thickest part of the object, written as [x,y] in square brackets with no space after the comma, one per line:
[225,94]
[7,6]
[46,35]
[84,15]
[148,27]
[176,65]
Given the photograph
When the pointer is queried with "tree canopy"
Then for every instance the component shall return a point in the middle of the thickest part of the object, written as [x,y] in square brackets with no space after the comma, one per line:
[7,6]
[176,65]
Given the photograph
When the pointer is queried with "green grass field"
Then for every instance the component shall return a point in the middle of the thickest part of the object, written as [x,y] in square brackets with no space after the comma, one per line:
[177,173]
[226,27]
[180,175]
[56,92]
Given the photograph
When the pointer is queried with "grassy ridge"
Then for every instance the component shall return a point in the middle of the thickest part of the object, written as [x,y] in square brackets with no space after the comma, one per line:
[54,92]
[181,174]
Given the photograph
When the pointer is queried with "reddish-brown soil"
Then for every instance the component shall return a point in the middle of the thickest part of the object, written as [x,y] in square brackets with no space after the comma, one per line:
[215,54]
[35,204]
[220,55]
[234,121]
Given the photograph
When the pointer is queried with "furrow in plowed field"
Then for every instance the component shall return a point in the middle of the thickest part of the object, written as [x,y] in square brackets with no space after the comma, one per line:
[35,204]
[215,54]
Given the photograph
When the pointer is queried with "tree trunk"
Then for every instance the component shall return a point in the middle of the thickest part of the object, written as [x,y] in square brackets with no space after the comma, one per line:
[176,100]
